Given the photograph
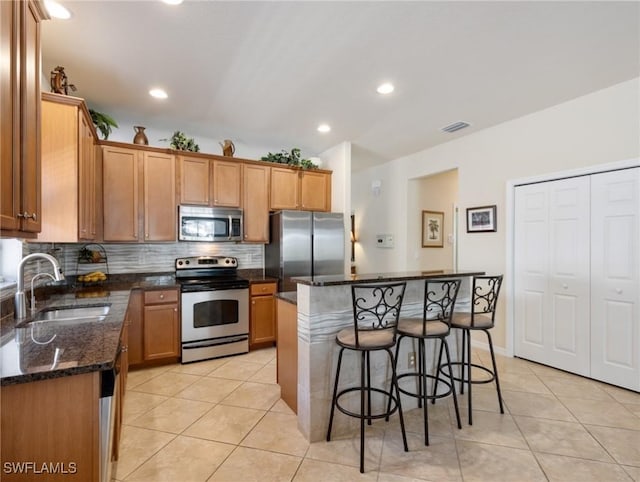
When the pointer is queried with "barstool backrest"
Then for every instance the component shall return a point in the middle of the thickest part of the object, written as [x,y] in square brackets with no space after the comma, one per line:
[439,301]
[484,297]
[376,307]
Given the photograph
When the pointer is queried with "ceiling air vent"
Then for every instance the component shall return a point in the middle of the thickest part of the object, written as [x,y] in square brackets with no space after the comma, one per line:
[456,126]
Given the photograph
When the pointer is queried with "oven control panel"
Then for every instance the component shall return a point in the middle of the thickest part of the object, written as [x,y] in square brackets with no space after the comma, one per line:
[196,262]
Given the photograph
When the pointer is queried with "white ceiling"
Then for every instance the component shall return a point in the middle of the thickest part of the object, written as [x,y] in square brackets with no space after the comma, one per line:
[267,73]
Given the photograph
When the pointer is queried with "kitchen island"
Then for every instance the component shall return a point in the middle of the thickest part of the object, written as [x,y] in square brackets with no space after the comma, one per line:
[324,308]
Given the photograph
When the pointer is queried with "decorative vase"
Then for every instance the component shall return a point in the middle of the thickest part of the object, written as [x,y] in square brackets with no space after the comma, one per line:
[140,137]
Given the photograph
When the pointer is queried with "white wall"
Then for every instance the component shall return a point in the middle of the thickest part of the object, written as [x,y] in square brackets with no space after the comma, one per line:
[338,160]
[601,127]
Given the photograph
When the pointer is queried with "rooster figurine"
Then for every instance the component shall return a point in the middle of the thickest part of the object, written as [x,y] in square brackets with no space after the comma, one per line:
[228,149]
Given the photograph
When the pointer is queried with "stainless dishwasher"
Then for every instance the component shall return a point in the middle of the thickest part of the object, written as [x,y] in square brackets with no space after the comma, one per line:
[108,382]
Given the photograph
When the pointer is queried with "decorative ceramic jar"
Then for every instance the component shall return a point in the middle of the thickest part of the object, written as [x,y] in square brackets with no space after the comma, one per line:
[140,137]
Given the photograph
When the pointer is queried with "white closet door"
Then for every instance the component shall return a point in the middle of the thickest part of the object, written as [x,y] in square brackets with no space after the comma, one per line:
[615,262]
[552,273]
[531,264]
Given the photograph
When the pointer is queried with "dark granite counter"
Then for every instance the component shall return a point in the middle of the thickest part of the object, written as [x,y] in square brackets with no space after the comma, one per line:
[36,351]
[256,276]
[332,280]
[288,296]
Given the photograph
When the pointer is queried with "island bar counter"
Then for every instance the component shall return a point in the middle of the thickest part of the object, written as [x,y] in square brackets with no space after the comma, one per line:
[324,308]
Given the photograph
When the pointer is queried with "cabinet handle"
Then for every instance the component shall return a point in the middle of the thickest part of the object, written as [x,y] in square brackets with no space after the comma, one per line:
[26,215]
[253,302]
[175,309]
[124,349]
[162,296]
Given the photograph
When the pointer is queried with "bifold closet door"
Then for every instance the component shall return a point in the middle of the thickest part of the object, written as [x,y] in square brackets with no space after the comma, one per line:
[615,273]
[552,273]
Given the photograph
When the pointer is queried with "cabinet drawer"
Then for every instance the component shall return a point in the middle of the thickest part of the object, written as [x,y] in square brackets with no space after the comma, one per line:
[258,289]
[160,296]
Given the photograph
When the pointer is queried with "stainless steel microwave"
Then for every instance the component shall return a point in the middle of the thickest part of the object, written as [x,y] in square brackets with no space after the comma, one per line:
[209,224]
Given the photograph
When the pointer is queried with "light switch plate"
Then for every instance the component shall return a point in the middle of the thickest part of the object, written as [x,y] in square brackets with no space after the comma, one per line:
[384,240]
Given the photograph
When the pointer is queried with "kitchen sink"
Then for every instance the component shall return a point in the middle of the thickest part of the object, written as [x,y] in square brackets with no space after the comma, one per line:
[74,313]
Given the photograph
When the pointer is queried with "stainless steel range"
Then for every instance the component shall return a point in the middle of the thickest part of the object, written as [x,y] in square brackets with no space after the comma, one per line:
[215,307]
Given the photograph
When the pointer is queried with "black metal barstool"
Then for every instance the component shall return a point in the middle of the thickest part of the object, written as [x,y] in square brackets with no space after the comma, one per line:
[484,297]
[376,309]
[439,302]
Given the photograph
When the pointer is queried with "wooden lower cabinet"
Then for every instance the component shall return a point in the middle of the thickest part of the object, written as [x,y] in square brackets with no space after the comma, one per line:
[53,422]
[287,355]
[161,331]
[154,331]
[262,316]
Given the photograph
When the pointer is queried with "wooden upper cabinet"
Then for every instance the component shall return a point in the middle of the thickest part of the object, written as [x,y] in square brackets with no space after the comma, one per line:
[315,191]
[120,193]
[68,171]
[226,181]
[255,202]
[194,180]
[159,196]
[20,205]
[295,189]
[129,203]
[210,182]
[284,189]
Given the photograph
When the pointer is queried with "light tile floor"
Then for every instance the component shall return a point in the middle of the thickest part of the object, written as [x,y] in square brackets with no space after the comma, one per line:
[223,420]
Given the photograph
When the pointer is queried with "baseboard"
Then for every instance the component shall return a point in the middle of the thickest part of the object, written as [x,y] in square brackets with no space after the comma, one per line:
[498,350]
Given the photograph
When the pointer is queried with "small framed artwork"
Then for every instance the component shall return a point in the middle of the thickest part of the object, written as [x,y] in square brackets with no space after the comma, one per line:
[481,219]
[432,227]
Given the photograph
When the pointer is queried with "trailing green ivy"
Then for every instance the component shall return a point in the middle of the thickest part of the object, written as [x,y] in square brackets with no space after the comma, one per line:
[180,142]
[292,158]
[103,123]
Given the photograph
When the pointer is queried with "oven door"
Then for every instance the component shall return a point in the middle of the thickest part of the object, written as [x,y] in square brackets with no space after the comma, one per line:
[214,313]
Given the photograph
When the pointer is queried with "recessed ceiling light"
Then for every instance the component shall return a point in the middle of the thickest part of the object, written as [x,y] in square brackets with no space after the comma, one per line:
[324,128]
[385,88]
[56,10]
[158,93]
[172,2]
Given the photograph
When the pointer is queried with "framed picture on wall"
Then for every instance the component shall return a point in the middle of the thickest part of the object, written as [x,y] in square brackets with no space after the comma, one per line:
[481,219]
[432,229]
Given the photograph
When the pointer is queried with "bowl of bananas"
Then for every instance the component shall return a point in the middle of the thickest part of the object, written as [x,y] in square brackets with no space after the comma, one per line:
[91,278]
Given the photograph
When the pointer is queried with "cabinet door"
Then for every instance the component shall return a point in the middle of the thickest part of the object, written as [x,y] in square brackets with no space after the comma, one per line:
[226,183]
[135,314]
[161,333]
[263,326]
[60,173]
[30,119]
[120,193]
[615,264]
[9,119]
[284,189]
[552,273]
[159,197]
[86,180]
[256,203]
[194,181]
[315,191]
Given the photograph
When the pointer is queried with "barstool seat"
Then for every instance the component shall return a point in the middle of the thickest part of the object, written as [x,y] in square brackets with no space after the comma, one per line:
[438,305]
[484,298]
[376,309]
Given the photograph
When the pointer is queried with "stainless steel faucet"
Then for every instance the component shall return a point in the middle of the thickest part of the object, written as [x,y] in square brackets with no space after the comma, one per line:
[33,292]
[20,302]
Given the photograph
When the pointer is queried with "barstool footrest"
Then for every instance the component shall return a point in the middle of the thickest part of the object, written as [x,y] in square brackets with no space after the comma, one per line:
[464,365]
[429,397]
[376,416]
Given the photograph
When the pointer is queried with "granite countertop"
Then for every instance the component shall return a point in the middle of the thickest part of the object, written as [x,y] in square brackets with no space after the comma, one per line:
[256,276]
[346,279]
[36,351]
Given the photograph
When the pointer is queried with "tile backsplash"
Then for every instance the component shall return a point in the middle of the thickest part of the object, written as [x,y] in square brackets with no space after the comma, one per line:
[148,258]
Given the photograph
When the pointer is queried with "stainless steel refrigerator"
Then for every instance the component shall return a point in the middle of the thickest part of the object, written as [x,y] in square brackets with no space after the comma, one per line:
[304,243]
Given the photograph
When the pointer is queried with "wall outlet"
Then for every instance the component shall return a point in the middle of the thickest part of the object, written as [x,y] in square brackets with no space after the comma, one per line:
[411,362]
[384,240]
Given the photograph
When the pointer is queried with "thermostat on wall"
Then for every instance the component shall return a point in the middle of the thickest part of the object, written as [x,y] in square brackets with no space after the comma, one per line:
[384,240]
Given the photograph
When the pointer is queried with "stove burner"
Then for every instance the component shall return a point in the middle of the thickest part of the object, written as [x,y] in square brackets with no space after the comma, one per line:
[208,273]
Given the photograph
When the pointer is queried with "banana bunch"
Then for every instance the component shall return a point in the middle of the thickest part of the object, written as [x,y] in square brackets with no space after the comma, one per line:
[92,277]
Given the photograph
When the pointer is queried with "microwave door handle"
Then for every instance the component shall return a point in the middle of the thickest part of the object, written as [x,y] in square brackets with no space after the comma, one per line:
[230,228]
